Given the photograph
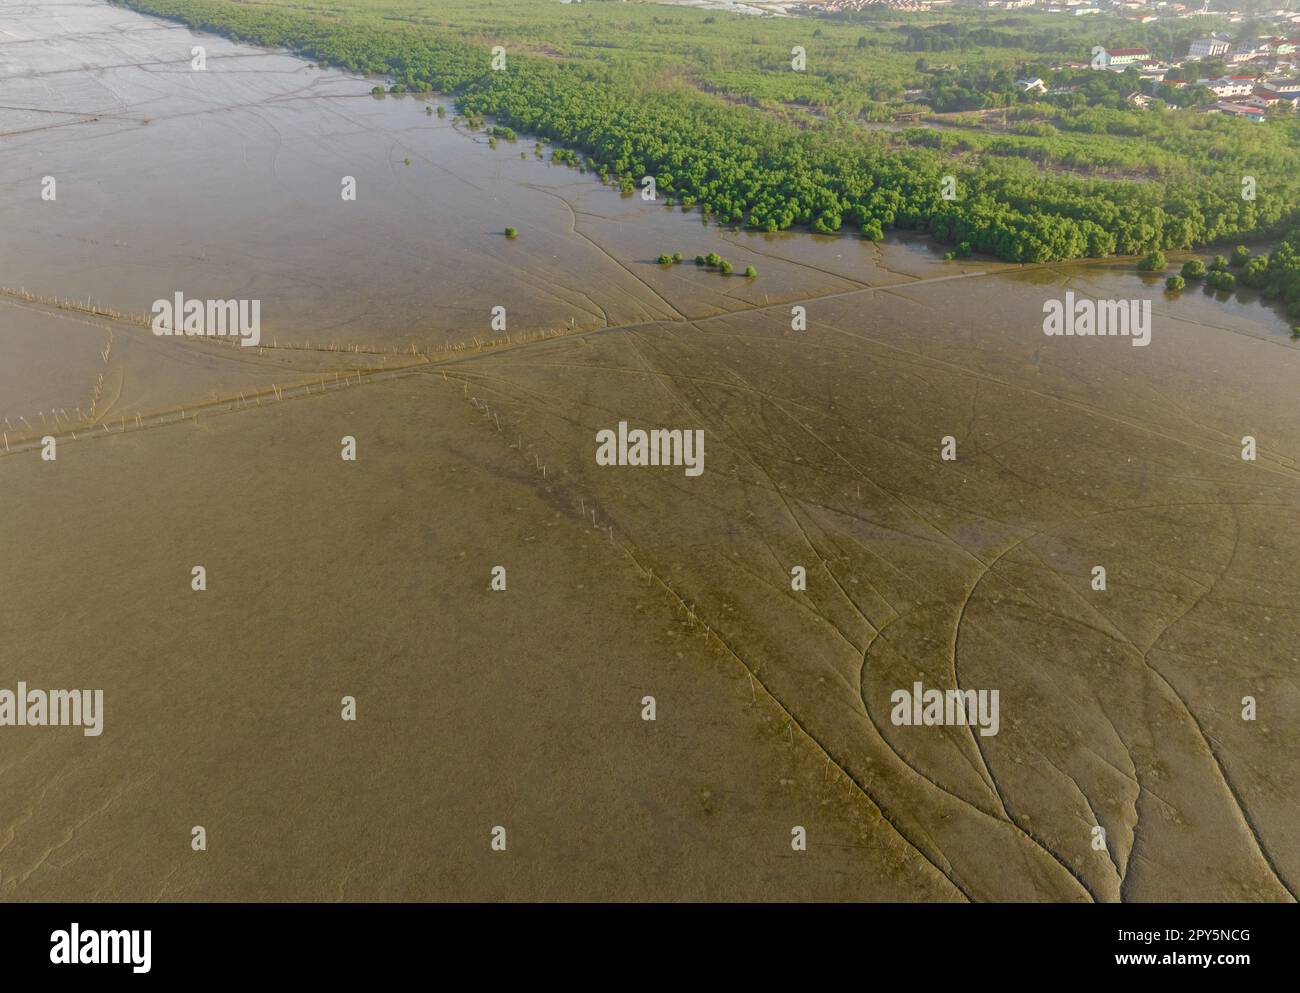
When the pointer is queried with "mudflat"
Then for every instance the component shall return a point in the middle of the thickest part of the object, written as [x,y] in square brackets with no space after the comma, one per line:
[945,477]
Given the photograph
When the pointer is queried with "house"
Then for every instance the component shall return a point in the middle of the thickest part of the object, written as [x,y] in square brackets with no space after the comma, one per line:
[1250,52]
[1267,99]
[1236,110]
[1033,85]
[1154,69]
[1139,100]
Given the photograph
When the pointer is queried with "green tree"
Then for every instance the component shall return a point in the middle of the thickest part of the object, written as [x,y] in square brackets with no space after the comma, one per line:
[1256,273]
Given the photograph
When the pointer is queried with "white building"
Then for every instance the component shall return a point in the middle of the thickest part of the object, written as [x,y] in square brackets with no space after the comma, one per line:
[1229,86]
[1208,48]
[1268,99]
[1119,58]
[1282,87]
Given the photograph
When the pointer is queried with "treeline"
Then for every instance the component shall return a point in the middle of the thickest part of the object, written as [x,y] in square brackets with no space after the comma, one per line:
[1277,274]
[962,36]
[742,166]
[983,86]
[1051,33]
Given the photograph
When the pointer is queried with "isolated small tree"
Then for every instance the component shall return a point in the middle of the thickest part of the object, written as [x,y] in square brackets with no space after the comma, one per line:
[872,230]
[665,260]
[1153,262]
[511,233]
[1175,283]
[677,256]
[1193,269]
[724,266]
[750,271]
[1219,264]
